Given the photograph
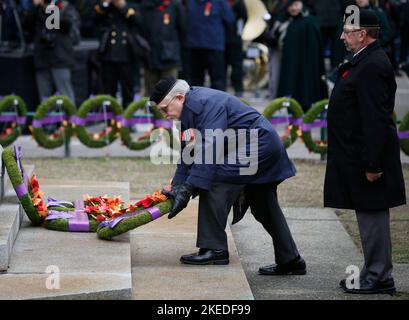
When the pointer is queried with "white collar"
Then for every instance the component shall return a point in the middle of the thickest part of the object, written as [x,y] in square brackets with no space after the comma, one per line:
[360,51]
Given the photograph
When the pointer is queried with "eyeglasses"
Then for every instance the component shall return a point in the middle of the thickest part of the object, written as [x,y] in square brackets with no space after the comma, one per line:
[164,108]
[350,31]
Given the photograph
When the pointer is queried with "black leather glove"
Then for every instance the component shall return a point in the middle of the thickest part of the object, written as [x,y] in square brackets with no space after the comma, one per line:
[181,196]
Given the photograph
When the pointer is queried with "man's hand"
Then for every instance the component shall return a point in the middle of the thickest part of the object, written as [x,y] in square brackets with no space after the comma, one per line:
[372,177]
[181,196]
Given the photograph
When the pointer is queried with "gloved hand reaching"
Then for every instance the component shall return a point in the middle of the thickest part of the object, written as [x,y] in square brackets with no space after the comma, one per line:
[181,194]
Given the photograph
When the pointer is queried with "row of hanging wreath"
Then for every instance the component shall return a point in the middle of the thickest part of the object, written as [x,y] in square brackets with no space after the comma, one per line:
[57,118]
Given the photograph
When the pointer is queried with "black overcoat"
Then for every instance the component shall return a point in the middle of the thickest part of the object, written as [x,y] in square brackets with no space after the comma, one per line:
[362,136]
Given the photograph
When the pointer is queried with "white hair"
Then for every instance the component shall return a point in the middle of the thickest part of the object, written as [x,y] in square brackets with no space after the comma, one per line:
[180,87]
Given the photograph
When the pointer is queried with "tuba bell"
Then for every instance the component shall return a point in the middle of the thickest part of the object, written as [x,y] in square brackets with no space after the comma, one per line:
[256,54]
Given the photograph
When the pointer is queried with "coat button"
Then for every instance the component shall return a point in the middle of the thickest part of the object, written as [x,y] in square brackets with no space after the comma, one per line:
[123,41]
[113,41]
[124,34]
[113,33]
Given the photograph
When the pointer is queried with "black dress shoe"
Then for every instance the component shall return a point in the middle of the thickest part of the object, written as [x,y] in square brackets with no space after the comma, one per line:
[365,287]
[295,267]
[207,256]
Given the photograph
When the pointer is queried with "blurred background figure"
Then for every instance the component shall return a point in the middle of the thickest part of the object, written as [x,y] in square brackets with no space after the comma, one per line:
[297,35]
[234,46]
[206,40]
[164,26]
[328,13]
[404,30]
[119,22]
[53,48]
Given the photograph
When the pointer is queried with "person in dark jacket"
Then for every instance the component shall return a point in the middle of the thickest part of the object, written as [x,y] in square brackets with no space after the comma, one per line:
[328,13]
[364,171]
[219,176]
[164,26]
[206,40]
[53,48]
[302,73]
[234,46]
[404,30]
[118,21]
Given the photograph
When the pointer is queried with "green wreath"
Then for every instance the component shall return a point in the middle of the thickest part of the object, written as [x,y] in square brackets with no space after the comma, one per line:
[404,136]
[308,119]
[294,109]
[127,224]
[41,116]
[125,130]
[11,134]
[22,187]
[63,224]
[80,122]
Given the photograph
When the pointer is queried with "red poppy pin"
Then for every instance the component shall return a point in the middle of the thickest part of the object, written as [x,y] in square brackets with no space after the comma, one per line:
[345,74]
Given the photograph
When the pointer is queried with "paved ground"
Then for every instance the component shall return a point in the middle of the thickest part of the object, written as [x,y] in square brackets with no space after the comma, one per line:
[326,247]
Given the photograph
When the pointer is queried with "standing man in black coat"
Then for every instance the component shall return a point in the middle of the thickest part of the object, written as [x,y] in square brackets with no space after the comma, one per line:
[118,20]
[164,26]
[364,171]
[53,48]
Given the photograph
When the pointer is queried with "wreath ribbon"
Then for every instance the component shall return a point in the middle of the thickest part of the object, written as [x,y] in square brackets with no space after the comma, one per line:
[9,117]
[22,189]
[154,212]
[77,220]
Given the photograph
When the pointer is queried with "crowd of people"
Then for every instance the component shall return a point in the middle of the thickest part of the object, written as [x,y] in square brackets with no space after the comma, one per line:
[192,38]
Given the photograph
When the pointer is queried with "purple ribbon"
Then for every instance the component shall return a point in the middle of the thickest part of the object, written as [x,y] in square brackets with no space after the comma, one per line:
[80,222]
[136,120]
[154,212]
[21,190]
[38,123]
[286,120]
[315,124]
[54,215]
[403,135]
[51,202]
[10,118]
[163,123]
[92,118]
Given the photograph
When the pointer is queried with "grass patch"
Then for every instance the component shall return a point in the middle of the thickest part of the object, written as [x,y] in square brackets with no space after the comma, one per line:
[304,190]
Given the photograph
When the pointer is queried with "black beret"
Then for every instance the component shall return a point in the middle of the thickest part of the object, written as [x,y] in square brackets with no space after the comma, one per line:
[367,19]
[162,88]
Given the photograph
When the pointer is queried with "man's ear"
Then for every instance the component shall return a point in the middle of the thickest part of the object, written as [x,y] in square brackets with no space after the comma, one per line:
[181,97]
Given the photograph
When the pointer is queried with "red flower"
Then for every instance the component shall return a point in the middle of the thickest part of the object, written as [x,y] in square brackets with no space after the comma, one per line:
[345,74]
[162,8]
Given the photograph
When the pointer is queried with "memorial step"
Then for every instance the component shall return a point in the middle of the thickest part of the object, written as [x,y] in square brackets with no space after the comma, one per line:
[158,274]
[11,215]
[88,268]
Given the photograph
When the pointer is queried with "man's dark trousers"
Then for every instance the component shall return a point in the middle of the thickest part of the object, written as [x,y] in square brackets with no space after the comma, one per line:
[374,229]
[214,208]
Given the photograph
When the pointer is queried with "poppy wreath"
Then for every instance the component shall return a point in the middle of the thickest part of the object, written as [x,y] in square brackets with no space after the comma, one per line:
[98,140]
[93,213]
[294,109]
[142,215]
[18,119]
[27,190]
[43,117]
[404,134]
[127,121]
[310,121]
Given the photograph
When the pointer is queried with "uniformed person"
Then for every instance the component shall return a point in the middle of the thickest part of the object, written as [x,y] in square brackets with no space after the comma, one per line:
[118,20]
[220,184]
[364,171]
